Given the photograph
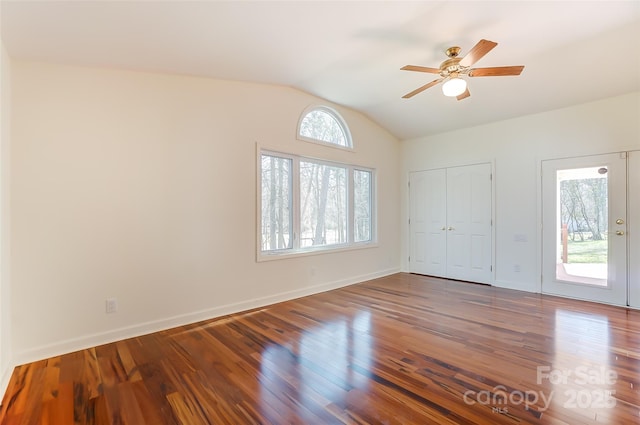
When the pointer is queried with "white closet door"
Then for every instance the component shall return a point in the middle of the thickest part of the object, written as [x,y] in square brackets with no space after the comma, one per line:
[427,222]
[633,190]
[469,223]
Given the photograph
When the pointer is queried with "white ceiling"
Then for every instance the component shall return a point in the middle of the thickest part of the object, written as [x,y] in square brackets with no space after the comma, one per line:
[350,52]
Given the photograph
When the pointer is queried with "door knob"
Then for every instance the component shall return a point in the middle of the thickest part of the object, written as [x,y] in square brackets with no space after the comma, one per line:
[619,221]
[619,232]
[450,228]
[443,228]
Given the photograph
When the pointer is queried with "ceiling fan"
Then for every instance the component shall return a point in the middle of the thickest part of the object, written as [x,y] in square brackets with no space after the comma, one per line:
[452,69]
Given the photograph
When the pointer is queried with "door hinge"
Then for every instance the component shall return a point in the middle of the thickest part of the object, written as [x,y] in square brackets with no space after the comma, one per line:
[409,259]
[491,176]
[409,221]
[490,268]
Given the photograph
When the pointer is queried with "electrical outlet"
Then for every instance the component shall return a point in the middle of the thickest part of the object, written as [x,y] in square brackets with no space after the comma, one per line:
[111,305]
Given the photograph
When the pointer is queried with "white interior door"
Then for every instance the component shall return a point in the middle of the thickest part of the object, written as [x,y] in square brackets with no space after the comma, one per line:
[450,223]
[469,223]
[584,222]
[633,191]
[427,192]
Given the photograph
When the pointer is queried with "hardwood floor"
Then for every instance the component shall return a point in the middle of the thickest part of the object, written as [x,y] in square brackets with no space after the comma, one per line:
[403,349]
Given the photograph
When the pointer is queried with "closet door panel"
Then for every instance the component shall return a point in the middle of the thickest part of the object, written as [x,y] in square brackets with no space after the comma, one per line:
[427,222]
[469,223]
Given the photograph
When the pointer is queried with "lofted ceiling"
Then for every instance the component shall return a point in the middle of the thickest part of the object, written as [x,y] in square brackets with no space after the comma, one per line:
[351,52]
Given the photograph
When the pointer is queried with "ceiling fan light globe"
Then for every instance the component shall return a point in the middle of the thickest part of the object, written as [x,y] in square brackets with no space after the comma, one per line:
[454,87]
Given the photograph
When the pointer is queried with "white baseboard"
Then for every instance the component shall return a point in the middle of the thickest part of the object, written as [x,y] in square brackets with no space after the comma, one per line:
[86,341]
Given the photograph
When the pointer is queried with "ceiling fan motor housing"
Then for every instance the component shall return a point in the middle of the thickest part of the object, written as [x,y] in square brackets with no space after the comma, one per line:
[451,66]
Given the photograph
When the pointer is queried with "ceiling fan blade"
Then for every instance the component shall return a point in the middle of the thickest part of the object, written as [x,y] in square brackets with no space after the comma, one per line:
[479,50]
[421,89]
[420,69]
[464,95]
[495,71]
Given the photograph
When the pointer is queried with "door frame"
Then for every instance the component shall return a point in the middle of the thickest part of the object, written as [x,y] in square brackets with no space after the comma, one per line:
[539,214]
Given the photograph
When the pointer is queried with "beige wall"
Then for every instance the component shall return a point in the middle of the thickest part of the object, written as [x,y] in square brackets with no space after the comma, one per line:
[143,187]
[516,147]
[5,292]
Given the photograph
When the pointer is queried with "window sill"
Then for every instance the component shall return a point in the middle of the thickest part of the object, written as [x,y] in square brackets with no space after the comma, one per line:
[284,254]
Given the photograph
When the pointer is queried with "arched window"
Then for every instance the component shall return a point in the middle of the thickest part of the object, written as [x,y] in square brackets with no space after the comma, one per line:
[322,124]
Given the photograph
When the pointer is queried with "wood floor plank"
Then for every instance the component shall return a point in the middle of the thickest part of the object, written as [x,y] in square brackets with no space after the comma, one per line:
[404,349]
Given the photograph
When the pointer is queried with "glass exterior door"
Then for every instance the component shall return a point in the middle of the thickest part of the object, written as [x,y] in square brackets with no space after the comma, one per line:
[585,228]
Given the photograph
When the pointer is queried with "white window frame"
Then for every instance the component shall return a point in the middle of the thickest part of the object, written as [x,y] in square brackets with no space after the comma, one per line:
[352,211]
[341,122]
[296,249]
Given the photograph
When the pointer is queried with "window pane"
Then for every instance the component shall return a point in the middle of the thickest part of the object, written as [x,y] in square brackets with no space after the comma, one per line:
[321,125]
[323,204]
[362,205]
[276,203]
[583,208]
